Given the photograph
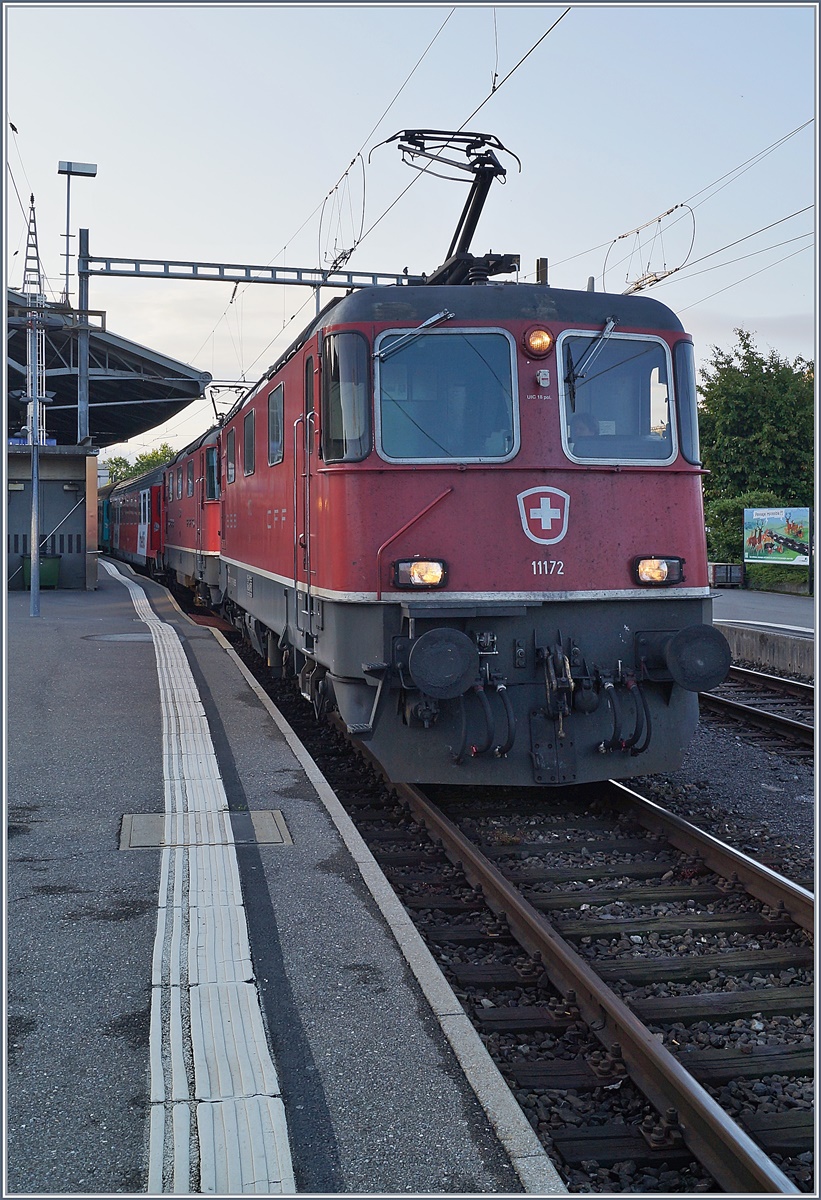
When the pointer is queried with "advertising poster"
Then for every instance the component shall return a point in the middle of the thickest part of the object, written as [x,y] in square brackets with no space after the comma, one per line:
[778,535]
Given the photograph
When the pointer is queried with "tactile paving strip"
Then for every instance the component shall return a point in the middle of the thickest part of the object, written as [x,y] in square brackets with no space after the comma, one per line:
[218,1121]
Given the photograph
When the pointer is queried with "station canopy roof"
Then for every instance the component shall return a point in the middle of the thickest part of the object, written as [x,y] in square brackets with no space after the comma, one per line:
[131,389]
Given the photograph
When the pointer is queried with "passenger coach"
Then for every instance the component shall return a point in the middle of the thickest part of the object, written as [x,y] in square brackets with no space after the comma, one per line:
[192,529]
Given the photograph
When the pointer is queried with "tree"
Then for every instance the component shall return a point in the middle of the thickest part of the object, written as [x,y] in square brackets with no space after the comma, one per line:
[756,423]
[154,458]
[724,519]
[120,468]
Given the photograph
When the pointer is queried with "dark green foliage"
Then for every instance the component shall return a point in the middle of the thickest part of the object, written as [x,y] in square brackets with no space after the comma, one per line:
[768,577]
[120,468]
[756,423]
[724,519]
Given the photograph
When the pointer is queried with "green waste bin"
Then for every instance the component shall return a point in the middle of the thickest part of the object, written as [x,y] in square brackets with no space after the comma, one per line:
[49,570]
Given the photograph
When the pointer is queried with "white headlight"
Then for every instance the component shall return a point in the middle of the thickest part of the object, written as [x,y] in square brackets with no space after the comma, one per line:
[420,573]
[657,570]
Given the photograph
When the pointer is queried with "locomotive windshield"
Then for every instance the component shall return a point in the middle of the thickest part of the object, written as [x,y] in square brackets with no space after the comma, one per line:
[447,396]
[616,398]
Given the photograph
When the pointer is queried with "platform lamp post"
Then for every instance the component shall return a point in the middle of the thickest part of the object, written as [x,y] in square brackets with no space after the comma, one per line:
[89,170]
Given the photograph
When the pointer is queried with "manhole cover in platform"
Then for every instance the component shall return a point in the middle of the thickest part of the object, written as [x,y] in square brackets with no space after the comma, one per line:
[118,637]
[158,831]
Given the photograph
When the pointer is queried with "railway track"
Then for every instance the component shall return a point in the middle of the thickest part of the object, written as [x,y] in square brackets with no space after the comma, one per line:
[779,711]
[645,990]
[588,943]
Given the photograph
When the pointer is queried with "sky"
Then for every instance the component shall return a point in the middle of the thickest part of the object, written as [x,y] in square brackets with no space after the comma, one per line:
[254,134]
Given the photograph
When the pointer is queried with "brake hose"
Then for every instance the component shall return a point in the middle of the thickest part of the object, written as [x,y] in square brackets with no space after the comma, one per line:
[649,724]
[503,751]
[615,739]
[490,725]
[638,701]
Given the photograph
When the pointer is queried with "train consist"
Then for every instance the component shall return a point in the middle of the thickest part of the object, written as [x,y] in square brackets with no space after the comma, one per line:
[467,515]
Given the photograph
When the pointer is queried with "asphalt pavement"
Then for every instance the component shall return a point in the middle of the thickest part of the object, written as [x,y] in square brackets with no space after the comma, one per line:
[773,610]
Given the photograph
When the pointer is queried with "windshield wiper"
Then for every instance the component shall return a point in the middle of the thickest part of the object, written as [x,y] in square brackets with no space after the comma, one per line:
[406,338]
[574,372]
[570,379]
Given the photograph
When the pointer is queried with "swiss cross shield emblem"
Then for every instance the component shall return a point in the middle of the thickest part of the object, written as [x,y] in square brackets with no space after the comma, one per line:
[544,512]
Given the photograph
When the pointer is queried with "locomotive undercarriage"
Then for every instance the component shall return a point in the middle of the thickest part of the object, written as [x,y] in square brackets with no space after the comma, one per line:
[194,572]
[529,693]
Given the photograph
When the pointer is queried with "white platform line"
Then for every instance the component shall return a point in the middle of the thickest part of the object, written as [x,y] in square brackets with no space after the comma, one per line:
[249,1162]
[808,632]
[182,1148]
[207,1039]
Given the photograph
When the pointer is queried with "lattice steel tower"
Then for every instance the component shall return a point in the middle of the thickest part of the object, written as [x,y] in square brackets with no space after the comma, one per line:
[36,336]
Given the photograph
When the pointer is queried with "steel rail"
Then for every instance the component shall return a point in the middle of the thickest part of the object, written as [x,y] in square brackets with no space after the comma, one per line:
[728,1153]
[765,884]
[756,716]
[776,683]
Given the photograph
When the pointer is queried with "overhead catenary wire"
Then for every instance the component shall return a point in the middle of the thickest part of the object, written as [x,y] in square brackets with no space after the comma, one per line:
[686,265]
[47,284]
[635,233]
[491,94]
[342,177]
[493,91]
[422,170]
[333,189]
[729,246]
[747,164]
[736,172]
[732,261]
[747,236]
[770,266]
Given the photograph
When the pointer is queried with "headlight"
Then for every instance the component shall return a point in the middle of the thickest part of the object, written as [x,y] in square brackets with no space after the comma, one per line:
[538,341]
[420,573]
[658,570]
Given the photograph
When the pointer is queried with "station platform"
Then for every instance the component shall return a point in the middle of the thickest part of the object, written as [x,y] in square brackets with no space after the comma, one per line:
[211,988]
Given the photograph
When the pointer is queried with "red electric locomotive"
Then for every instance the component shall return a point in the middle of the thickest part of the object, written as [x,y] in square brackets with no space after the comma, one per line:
[468,515]
[192,495]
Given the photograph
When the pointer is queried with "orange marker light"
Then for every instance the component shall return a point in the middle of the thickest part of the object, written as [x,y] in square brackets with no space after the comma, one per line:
[538,341]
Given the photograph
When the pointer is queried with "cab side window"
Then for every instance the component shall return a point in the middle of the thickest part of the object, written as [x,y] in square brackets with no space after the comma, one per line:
[231,456]
[212,486]
[276,419]
[248,465]
[346,434]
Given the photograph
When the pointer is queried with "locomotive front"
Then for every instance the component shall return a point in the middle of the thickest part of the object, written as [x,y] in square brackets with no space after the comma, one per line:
[507,580]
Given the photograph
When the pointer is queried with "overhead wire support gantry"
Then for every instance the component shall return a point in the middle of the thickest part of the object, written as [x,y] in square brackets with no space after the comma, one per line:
[314,277]
[125,266]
